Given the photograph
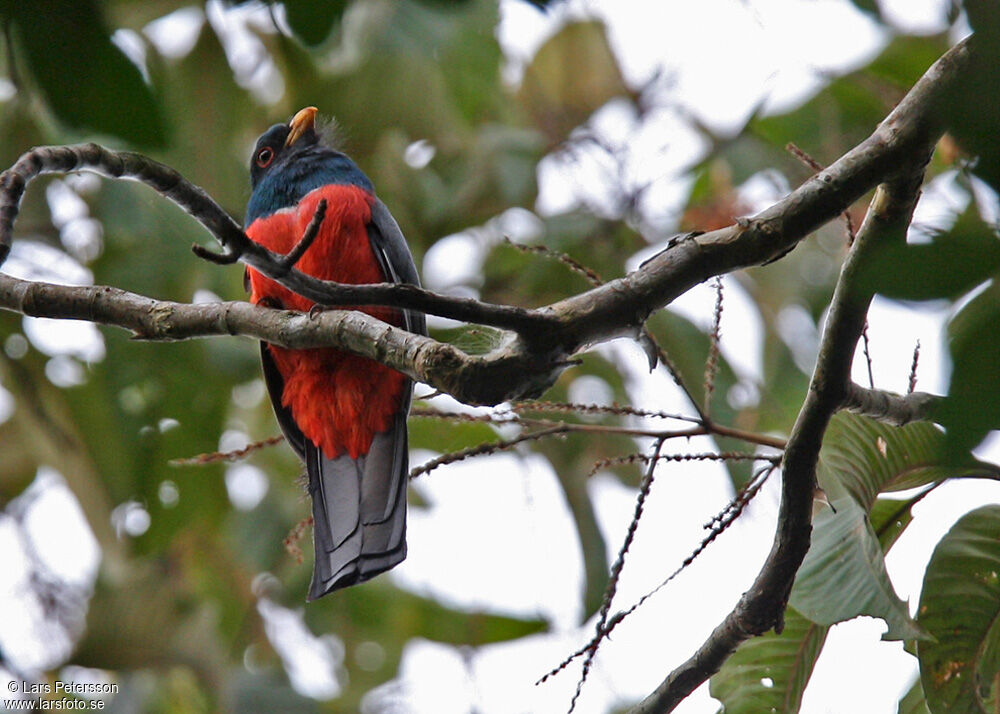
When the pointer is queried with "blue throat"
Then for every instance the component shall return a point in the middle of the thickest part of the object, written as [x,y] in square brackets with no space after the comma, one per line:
[286,185]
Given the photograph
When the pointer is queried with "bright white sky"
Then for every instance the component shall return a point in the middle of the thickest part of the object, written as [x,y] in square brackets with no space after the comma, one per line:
[517,552]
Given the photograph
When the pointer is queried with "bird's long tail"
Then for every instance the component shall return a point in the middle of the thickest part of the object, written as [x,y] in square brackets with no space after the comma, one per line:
[359,511]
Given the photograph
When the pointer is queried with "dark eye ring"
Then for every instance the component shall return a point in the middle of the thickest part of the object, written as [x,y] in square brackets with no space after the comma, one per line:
[264,157]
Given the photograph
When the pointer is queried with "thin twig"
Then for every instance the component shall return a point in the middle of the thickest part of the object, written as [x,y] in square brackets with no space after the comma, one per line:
[704,456]
[716,527]
[295,535]
[576,266]
[616,409]
[812,163]
[236,455]
[487,448]
[312,230]
[712,363]
[868,356]
[616,569]
[913,369]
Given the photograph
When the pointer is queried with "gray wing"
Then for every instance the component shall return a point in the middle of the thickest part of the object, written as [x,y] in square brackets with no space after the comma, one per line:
[395,259]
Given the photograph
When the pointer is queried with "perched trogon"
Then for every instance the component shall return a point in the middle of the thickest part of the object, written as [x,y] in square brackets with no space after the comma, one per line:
[344,415]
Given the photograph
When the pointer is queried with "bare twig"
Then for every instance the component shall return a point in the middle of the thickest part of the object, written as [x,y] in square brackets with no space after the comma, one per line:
[615,409]
[762,606]
[812,163]
[237,455]
[912,385]
[312,230]
[716,527]
[616,570]
[487,448]
[712,363]
[574,265]
[709,456]
[868,355]
[291,541]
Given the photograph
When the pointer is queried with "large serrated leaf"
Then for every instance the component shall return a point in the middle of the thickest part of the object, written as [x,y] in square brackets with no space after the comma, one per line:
[770,673]
[960,607]
[864,458]
[844,574]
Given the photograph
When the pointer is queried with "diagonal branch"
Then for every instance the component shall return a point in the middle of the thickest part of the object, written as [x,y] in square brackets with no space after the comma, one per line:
[236,245]
[762,607]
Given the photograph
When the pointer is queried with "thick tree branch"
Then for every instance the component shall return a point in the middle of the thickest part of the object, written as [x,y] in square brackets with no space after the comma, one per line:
[472,379]
[897,409]
[552,333]
[762,607]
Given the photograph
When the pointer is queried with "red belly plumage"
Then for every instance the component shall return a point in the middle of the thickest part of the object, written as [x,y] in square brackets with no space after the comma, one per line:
[338,400]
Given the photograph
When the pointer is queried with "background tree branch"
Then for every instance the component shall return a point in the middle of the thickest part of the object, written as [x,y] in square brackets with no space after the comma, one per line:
[762,607]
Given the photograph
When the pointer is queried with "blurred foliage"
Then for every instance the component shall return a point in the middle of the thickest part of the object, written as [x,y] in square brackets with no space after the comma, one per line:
[176,611]
[110,97]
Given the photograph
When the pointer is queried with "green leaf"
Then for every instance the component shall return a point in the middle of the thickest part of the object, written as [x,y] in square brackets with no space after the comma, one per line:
[844,574]
[907,57]
[769,673]
[972,109]
[865,458]
[960,607]
[558,92]
[890,517]
[87,81]
[913,701]
[953,263]
[869,7]
[312,21]
[972,407]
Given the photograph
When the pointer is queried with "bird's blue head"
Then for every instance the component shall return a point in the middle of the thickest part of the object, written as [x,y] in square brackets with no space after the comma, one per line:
[290,160]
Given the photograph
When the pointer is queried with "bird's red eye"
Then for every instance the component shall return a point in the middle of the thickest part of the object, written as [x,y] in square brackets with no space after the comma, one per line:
[264,157]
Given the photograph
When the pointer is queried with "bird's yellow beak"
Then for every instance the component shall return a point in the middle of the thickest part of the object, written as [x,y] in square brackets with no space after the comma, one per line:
[300,124]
